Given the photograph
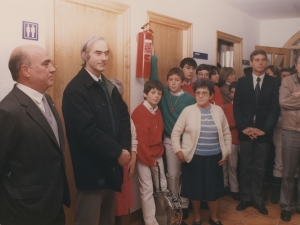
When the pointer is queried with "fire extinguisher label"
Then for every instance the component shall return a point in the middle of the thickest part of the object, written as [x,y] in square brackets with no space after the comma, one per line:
[147,50]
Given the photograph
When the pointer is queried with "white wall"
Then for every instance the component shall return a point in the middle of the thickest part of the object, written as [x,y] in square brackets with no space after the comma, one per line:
[275,33]
[12,15]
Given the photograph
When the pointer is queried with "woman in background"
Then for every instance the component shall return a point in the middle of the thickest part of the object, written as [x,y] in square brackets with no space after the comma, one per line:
[125,199]
[227,76]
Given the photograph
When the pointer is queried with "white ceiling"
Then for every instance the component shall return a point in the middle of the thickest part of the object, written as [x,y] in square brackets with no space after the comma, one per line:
[267,9]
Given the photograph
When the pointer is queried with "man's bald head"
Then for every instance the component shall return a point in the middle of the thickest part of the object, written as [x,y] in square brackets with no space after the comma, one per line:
[21,56]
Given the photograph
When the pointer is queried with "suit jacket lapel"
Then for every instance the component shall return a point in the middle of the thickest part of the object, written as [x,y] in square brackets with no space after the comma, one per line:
[35,113]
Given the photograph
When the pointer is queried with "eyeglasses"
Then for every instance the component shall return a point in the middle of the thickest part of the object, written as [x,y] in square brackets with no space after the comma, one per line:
[203,93]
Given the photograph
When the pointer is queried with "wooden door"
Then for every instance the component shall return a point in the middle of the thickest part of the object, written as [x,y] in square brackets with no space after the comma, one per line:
[172,42]
[74,21]
[277,56]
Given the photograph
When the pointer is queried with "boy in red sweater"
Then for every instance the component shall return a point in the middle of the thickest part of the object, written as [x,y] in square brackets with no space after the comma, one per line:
[149,128]
[188,66]
[229,168]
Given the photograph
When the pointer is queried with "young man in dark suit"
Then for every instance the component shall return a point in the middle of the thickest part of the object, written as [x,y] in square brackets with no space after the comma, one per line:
[98,131]
[256,111]
[33,183]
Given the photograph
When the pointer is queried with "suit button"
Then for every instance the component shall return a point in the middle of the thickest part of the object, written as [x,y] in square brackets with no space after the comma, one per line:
[103,104]
[113,169]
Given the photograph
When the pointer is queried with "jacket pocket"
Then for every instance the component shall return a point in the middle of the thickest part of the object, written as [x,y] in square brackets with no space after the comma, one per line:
[28,192]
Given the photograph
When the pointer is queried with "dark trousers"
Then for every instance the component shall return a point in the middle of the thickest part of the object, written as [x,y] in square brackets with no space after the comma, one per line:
[253,159]
[60,220]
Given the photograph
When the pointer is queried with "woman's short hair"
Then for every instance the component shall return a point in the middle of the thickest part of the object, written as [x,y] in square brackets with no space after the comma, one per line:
[275,70]
[204,83]
[225,72]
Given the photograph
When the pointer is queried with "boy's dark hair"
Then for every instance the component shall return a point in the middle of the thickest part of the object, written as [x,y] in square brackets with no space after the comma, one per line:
[177,71]
[293,69]
[285,70]
[248,71]
[190,61]
[153,84]
[232,85]
[204,83]
[203,67]
[213,71]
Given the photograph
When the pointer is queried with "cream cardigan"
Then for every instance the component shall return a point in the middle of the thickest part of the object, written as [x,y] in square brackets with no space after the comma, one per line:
[188,125]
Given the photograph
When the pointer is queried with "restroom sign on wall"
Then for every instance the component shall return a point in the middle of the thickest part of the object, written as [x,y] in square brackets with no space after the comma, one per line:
[30,31]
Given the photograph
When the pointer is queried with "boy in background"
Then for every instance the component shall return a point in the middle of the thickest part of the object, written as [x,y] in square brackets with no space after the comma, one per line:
[173,101]
[149,128]
[229,168]
[188,66]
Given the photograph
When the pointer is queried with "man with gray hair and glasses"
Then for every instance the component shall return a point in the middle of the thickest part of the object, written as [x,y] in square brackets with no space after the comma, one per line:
[98,131]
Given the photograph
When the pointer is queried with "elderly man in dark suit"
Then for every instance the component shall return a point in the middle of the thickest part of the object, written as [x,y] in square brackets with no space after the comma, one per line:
[98,131]
[256,111]
[33,184]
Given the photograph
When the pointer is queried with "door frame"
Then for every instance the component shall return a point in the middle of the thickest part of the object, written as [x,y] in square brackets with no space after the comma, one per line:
[186,27]
[123,15]
[237,50]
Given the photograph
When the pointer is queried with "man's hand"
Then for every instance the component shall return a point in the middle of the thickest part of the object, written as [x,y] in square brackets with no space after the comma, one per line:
[180,156]
[258,132]
[296,94]
[250,132]
[131,164]
[155,163]
[124,158]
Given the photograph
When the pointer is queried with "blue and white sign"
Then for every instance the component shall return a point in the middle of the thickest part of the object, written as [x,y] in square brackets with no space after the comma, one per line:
[30,31]
[199,55]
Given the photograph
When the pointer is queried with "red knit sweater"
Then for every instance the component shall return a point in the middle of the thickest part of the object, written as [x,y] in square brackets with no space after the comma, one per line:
[149,131]
[217,97]
[188,88]
[228,110]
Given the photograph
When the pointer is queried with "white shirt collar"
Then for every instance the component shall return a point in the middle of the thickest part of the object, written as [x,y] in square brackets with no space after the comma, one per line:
[149,107]
[33,94]
[255,81]
[178,93]
[93,76]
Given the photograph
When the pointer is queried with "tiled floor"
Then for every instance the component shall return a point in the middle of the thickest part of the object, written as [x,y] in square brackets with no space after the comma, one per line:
[250,216]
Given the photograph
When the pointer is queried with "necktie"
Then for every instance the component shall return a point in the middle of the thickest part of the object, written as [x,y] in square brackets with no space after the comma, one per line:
[50,118]
[257,89]
[111,112]
[47,110]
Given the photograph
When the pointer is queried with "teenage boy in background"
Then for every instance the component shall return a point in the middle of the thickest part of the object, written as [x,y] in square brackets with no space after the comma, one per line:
[149,129]
[173,101]
[188,66]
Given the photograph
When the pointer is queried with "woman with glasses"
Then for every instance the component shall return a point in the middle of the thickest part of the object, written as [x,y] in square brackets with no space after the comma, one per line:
[201,140]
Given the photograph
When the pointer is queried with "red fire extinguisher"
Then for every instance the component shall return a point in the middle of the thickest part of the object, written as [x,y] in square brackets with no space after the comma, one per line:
[144,52]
